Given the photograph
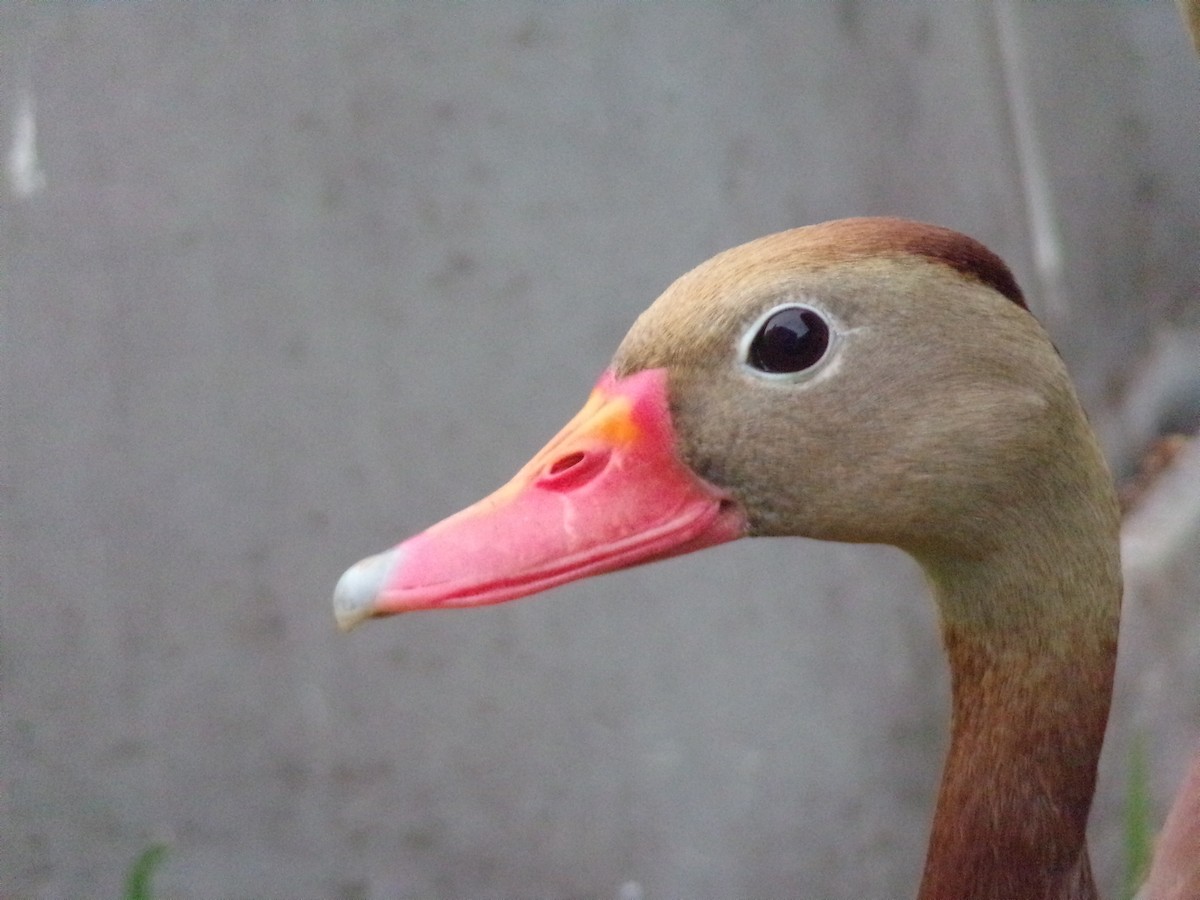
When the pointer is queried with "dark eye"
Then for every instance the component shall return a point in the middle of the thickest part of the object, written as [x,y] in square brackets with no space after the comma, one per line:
[792,339]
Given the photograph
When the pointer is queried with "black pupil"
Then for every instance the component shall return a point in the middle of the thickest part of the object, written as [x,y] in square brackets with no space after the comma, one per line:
[791,340]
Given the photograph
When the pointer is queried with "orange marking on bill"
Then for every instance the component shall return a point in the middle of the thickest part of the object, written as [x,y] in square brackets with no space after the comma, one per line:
[614,422]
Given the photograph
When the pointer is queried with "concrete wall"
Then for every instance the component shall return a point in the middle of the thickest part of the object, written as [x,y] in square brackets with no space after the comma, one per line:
[284,283]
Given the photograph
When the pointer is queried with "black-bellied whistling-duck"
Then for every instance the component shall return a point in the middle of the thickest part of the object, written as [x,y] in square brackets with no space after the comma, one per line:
[866,380]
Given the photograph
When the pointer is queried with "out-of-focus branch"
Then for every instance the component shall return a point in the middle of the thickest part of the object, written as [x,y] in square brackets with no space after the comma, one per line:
[1040,201]
[1191,18]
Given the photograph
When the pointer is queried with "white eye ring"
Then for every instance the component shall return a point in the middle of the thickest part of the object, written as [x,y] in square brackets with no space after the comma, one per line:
[770,353]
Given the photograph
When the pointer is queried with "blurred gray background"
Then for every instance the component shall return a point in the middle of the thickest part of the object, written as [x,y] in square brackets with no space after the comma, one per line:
[285,283]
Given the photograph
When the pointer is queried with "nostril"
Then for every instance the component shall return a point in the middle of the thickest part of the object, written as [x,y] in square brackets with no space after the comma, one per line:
[567,462]
[574,469]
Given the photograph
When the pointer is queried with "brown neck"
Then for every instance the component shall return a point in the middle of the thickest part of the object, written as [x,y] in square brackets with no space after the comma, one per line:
[1032,649]
[1013,807]
[1175,872]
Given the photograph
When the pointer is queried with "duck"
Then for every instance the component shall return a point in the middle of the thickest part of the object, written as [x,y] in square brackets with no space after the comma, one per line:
[866,380]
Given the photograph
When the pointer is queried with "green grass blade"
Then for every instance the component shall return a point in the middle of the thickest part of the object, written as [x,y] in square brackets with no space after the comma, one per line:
[137,882]
[1139,837]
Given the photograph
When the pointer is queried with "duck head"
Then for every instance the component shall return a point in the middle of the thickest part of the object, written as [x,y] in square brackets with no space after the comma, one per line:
[867,380]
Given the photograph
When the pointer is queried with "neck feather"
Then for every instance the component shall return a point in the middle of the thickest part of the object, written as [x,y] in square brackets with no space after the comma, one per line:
[1031,636]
